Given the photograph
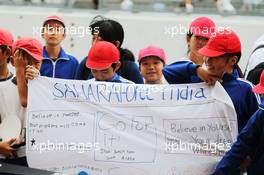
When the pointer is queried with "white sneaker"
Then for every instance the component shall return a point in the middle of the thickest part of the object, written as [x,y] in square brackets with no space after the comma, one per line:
[126,5]
[188,8]
[225,6]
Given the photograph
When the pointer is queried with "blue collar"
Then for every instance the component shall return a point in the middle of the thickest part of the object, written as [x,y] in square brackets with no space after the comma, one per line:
[115,78]
[62,55]
[229,77]
[261,105]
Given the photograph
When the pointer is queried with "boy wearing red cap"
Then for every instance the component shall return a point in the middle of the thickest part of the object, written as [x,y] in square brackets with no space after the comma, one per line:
[6,42]
[104,62]
[56,62]
[27,61]
[199,32]
[151,61]
[249,142]
[222,54]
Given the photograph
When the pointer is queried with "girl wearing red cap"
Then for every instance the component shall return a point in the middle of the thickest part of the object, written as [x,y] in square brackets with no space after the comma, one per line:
[151,61]
[200,30]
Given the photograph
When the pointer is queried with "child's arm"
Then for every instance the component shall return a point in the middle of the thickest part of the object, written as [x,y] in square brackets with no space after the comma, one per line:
[20,66]
[187,72]
[246,144]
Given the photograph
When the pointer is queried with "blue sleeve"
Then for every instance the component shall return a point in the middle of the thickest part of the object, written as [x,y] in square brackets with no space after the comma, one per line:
[250,106]
[80,75]
[75,66]
[134,74]
[246,144]
[180,72]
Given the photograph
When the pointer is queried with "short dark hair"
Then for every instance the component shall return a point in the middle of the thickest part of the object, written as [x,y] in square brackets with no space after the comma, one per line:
[109,30]
[237,54]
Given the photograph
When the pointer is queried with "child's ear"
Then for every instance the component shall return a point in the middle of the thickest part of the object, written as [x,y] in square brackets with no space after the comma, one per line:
[42,34]
[12,60]
[118,65]
[8,53]
[233,60]
[117,43]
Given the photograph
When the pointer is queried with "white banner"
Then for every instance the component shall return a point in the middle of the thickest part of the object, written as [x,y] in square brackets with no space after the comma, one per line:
[116,129]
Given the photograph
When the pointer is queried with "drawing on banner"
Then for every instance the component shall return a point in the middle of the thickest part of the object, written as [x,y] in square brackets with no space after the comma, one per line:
[198,136]
[49,122]
[73,132]
[111,134]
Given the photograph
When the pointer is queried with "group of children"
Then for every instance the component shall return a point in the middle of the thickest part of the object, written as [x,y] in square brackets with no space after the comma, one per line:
[212,56]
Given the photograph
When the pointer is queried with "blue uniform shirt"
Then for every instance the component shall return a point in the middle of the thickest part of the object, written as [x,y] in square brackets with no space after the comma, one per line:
[116,79]
[64,67]
[249,142]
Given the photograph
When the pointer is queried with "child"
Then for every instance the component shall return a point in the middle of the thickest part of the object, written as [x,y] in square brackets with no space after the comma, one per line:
[103,29]
[56,62]
[151,61]
[249,142]
[104,62]
[6,42]
[27,61]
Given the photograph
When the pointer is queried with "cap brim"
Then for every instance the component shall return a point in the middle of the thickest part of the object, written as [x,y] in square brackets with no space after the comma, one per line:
[258,89]
[203,35]
[148,55]
[97,66]
[35,56]
[209,52]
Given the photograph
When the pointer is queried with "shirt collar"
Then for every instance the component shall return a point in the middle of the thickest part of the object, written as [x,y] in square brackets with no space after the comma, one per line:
[62,55]
[115,78]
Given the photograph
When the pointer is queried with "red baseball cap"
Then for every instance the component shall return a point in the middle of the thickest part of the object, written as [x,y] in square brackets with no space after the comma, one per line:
[224,42]
[6,38]
[102,55]
[152,51]
[202,26]
[259,88]
[31,46]
[54,18]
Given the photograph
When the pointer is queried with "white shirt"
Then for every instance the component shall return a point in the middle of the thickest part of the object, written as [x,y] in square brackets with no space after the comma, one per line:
[10,106]
[256,57]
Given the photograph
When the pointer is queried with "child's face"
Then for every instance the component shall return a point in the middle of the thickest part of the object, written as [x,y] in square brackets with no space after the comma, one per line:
[195,43]
[151,69]
[218,65]
[105,74]
[53,33]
